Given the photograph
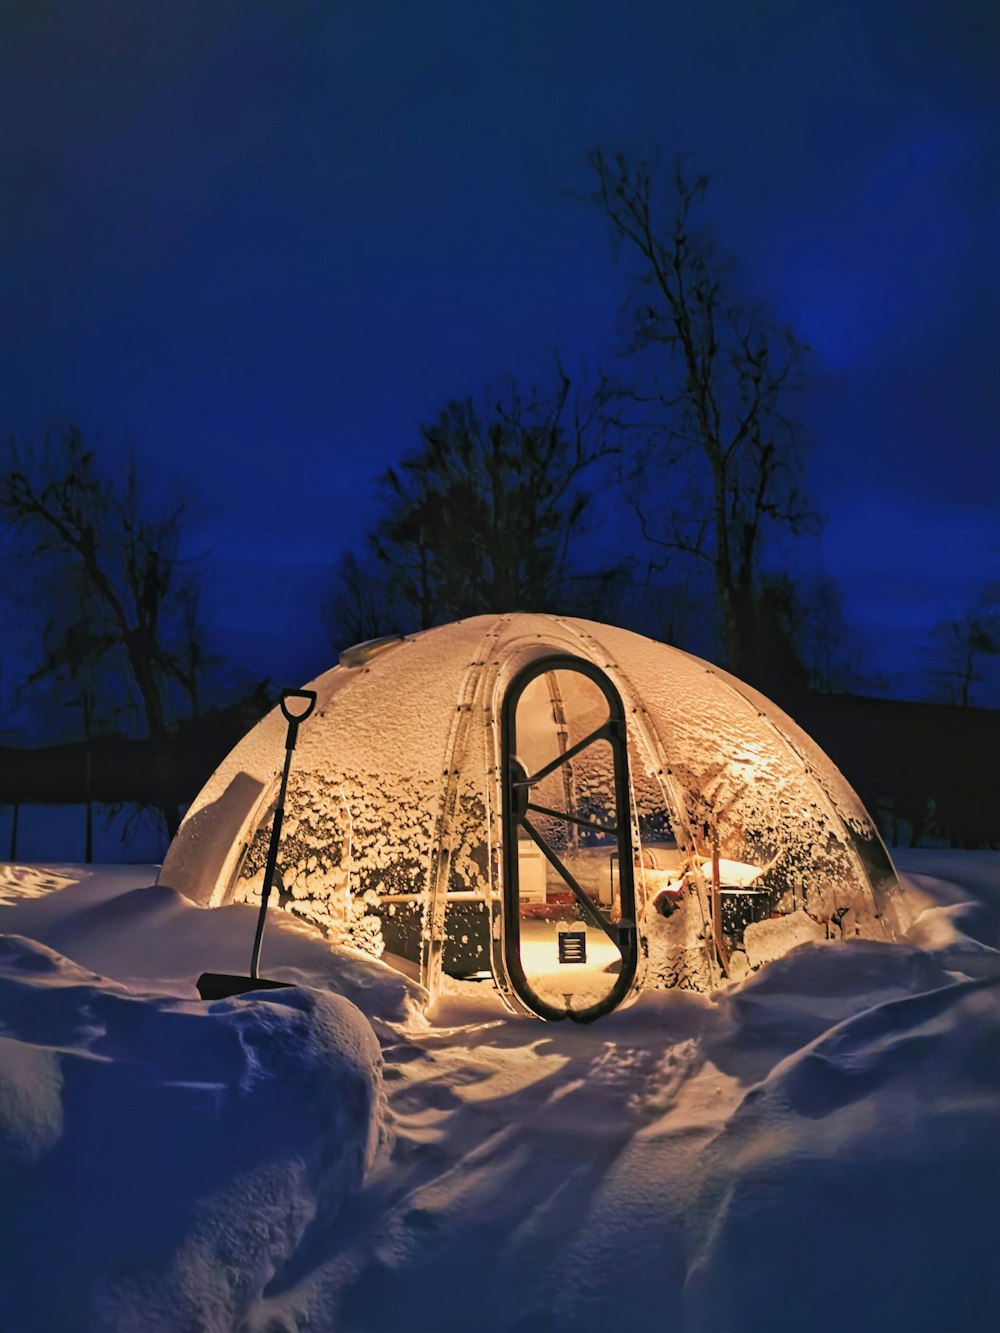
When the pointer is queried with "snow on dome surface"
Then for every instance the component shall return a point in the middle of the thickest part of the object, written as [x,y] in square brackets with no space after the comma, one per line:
[394,837]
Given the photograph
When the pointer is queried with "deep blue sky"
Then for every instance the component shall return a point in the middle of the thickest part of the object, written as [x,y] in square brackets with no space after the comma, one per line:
[260,241]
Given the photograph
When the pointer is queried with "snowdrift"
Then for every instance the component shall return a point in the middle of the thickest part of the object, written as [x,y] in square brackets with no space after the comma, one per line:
[811,1150]
[159,1158]
[858,1186]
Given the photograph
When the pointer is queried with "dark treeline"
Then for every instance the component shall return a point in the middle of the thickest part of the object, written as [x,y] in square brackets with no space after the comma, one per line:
[924,770]
[114,770]
[655,494]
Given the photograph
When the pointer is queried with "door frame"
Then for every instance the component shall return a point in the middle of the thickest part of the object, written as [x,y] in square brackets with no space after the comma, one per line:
[516,803]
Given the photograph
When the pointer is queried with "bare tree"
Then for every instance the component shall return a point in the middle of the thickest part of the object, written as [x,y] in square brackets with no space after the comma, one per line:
[77,648]
[488,513]
[190,662]
[360,606]
[72,520]
[720,458]
[960,649]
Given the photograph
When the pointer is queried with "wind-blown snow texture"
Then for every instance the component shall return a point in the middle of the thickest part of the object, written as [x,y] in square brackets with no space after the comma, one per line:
[815,1150]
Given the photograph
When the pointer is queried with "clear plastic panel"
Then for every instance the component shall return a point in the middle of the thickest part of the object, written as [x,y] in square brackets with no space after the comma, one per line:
[569,901]
[774,848]
[386,807]
[750,840]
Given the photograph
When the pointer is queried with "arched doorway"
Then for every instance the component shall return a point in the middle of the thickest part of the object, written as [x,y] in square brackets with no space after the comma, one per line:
[570,941]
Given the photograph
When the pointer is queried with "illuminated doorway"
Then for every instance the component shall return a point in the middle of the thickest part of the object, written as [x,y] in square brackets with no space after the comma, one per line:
[570,943]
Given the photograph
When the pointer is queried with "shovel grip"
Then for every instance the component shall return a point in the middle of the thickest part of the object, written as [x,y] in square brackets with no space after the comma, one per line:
[293,719]
[309,696]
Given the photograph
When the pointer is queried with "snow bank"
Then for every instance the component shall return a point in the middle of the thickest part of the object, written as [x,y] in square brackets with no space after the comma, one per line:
[765,941]
[858,1186]
[116,921]
[159,1158]
[812,1151]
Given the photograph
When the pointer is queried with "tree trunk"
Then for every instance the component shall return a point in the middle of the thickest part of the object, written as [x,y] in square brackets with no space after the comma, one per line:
[88,847]
[732,637]
[155,725]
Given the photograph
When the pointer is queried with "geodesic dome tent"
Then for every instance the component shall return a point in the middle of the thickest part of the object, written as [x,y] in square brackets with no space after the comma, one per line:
[572,808]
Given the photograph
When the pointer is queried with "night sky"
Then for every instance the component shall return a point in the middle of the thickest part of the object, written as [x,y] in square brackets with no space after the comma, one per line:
[259,242]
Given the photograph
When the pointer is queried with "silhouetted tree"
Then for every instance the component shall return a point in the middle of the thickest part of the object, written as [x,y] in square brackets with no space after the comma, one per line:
[76,523]
[190,662]
[76,647]
[960,649]
[775,646]
[360,606]
[487,514]
[720,460]
[812,624]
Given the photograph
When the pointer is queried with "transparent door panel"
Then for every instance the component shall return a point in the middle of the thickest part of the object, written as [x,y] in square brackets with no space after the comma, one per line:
[571,945]
[556,710]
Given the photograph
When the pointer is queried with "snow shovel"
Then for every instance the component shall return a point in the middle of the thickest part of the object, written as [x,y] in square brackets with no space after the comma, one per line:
[220,985]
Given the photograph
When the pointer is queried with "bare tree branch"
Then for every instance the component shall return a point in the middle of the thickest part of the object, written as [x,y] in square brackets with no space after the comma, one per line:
[710,379]
[76,524]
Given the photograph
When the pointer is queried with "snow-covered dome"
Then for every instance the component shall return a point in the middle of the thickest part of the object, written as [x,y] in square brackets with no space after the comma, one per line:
[576,809]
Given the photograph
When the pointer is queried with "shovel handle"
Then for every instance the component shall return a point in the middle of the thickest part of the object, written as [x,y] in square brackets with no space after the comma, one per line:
[309,696]
[293,720]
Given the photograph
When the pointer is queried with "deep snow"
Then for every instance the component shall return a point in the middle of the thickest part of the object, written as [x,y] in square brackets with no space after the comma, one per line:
[813,1150]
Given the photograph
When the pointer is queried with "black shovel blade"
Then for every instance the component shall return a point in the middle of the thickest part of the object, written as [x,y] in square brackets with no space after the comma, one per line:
[221,985]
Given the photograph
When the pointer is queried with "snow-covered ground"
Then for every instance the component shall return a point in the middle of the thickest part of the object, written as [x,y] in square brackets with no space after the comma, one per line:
[815,1151]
